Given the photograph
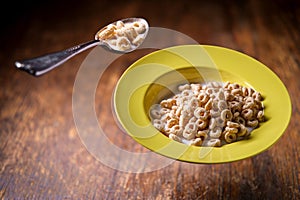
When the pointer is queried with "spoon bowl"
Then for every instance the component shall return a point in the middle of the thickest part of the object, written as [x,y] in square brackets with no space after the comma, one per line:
[122,36]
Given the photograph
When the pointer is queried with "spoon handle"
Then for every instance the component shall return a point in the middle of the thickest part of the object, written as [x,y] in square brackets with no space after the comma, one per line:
[40,65]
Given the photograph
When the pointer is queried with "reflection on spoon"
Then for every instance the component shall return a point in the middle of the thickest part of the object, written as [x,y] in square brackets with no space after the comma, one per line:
[122,36]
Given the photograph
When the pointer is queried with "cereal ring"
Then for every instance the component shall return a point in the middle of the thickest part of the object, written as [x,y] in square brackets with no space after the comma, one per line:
[247,114]
[196,142]
[202,134]
[249,105]
[194,103]
[123,43]
[242,131]
[252,123]
[208,105]
[235,106]
[240,120]
[139,27]
[203,98]
[189,131]
[201,124]
[257,96]
[237,92]
[181,88]
[222,105]
[201,113]
[260,116]
[175,137]
[155,114]
[215,132]
[231,130]
[131,34]
[230,137]
[172,122]
[158,124]
[231,124]
[196,87]
[247,91]
[229,96]
[221,95]
[226,115]
[177,130]
[213,143]
[215,114]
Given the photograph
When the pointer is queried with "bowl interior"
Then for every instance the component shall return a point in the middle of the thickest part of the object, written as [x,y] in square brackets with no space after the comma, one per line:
[157,75]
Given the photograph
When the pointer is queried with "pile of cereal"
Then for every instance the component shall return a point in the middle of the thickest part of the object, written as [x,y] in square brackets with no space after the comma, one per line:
[211,114]
[122,36]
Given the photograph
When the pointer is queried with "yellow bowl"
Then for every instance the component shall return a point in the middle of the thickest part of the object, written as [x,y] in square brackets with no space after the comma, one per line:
[155,77]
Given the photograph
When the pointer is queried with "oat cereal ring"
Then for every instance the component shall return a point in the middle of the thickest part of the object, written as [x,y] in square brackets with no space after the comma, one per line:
[257,96]
[138,40]
[235,106]
[249,105]
[252,123]
[202,134]
[237,91]
[221,95]
[189,131]
[183,119]
[226,115]
[235,115]
[209,91]
[220,122]
[222,105]
[216,132]
[181,88]
[158,124]
[172,122]
[243,131]
[213,143]
[194,103]
[215,114]
[232,86]
[247,114]
[240,120]
[212,123]
[247,91]
[196,142]
[187,93]
[164,111]
[201,113]
[228,96]
[131,34]
[168,103]
[155,114]
[260,116]
[175,137]
[231,124]
[226,84]
[201,124]
[177,130]
[139,27]
[208,105]
[203,98]
[230,137]
[123,43]
[196,87]
[231,130]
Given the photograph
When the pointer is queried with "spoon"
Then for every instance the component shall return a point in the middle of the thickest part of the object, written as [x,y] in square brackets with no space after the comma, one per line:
[122,36]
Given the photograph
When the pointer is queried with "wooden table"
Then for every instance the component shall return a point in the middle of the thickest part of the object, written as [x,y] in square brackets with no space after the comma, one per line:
[41,153]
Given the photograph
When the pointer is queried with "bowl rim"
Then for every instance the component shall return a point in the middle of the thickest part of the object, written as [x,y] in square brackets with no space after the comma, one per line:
[159,143]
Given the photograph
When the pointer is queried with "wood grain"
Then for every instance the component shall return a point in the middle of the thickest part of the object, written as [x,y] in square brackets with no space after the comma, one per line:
[41,154]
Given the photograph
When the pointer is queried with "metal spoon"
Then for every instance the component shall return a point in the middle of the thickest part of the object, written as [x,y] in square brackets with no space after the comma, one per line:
[40,65]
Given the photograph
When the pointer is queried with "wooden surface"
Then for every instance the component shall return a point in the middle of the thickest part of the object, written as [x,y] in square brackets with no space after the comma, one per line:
[41,154]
